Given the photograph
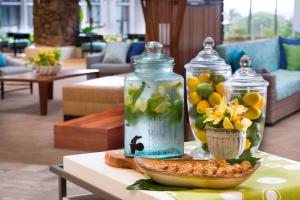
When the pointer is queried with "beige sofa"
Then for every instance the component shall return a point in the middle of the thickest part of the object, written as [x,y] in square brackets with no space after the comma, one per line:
[92,96]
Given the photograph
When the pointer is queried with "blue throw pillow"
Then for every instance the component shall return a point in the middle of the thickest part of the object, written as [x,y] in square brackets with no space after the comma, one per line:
[2,61]
[282,41]
[136,48]
[235,57]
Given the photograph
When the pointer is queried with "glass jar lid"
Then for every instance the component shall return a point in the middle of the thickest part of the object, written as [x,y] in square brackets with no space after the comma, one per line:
[153,55]
[208,58]
[246,76]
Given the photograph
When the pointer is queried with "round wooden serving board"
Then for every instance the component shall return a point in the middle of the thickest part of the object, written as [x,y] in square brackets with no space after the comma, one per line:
[117,159]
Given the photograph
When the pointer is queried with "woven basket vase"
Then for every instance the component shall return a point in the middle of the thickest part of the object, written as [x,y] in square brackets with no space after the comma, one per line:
[225,143]
[47,70]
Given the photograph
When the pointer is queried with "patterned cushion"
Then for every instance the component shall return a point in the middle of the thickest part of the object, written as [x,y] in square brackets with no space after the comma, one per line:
[287,83]
[263,53]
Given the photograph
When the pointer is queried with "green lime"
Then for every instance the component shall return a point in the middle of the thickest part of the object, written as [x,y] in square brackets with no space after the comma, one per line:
[199,122]
[254,134]
[193,112]
[204,90]
[217,78]
[163,108]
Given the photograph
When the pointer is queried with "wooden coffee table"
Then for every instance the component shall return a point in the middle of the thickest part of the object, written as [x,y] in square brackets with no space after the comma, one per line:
[45,83]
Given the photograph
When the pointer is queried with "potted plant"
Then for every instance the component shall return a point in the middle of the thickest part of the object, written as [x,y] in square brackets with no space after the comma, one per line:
[226,128]
[47,62]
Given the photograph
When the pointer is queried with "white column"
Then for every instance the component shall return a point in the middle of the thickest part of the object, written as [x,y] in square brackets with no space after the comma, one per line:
[132,4]
[23,17]
[104,17]
[296,21]
[139,22]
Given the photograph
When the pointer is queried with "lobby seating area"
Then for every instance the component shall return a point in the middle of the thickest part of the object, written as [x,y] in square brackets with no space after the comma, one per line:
[284,88]
[66,99]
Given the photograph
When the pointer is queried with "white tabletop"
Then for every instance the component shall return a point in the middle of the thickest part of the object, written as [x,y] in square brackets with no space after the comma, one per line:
[92,169]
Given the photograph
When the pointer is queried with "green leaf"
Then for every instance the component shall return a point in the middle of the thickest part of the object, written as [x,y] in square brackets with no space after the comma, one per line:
[254,134]
[148,184]
[176,113]
[252,160]
[136,94]
[205,147]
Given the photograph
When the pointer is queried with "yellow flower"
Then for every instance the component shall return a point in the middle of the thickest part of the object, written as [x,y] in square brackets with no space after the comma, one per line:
[234,110]
[37,60]
[216,114]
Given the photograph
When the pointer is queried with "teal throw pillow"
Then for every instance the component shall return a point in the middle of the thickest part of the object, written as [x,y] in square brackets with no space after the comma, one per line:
[2,60]
[292,57]
[235,57]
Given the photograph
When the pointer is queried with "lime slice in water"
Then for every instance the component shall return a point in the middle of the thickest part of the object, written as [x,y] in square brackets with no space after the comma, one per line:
[163,108]
[141,105]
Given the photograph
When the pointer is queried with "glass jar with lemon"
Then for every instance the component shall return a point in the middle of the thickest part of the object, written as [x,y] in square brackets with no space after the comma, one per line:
[205,77]
[154,106]
[249,89]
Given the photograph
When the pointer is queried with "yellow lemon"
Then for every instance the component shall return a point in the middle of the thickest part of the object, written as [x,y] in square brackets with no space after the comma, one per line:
[251,98]
[261,104]
[202,105]
[192,83]
[204,78]
[247,144]
[227,123]
[201,135]
[194,98]
[220,88]
[252,113]
[215,99]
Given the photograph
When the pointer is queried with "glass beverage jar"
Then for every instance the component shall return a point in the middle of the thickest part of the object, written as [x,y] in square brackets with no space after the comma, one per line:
[205,77]
[250,90]
[154,106]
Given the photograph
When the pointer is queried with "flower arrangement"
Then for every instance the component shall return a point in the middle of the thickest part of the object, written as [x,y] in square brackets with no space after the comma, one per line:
[46,58]
[47,62]
[226,127]
[227,116]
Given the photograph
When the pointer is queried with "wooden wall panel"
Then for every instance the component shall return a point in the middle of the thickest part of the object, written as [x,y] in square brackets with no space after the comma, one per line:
[199,22]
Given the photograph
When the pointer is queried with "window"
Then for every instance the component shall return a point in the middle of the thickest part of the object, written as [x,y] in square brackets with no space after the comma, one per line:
[95,13]
[123,16]
[268,18]
[10,17]
[30,16]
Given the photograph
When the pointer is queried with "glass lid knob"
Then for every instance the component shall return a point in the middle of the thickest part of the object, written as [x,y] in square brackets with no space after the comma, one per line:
[208,43]
[245,62]
[153,47]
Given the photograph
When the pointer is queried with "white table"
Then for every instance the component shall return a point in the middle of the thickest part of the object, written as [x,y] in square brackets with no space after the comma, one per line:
[91,169]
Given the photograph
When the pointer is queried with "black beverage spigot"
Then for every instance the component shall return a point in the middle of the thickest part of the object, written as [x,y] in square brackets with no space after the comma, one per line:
[136,146]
